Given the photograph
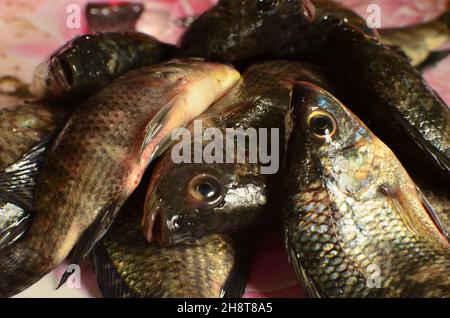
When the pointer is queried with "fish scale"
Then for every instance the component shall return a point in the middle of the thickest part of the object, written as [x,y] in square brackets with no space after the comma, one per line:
[23,126]
[259,100]
[352,234]
[197,269]
[98,159]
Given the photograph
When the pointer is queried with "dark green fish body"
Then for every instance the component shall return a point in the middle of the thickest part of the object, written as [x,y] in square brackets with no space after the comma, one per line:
[99,157]
[310,43]
[385,89]
[128,266]
[234,30]
[88,63]
[355,225]
[23,126]
[189,200]
[419,41]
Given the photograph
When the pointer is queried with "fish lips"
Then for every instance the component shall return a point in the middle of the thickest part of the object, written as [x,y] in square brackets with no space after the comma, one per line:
[153,224]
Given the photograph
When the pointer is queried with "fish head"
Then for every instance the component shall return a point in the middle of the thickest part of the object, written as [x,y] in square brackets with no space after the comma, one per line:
[186,201]
[61,72]
[233,30]
[333,143]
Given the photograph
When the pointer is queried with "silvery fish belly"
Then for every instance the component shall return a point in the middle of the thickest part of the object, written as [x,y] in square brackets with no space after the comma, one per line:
[355,224]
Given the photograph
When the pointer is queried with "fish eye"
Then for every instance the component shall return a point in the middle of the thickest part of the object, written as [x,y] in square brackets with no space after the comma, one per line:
[205,189]
[322,125]
[266,5]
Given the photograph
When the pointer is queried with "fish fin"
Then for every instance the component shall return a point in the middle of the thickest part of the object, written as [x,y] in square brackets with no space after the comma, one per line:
[110,283]
[432,60]
[17,182]
[235,285]
[433,215]
[14,231]
[90,236]
[153,128]
[309,283]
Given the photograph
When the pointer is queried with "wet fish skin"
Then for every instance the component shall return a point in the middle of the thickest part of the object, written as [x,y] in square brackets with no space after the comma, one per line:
[406,113]
[88,63]
[234,30]
[311,42]
[351,210]
[22,126]
[98,159]
[127,266]
[419,41]
[175,210]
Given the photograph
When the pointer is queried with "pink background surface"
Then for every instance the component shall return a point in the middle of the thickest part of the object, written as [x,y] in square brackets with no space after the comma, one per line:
[32,29]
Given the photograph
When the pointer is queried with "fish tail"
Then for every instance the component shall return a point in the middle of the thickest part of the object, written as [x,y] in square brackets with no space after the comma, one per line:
[20,267]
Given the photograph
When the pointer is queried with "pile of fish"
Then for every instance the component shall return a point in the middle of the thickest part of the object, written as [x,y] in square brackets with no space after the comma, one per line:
[86,167]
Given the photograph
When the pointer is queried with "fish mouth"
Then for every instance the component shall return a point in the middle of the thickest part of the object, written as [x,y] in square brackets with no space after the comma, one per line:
[153,223]
[62,76]
[308,9]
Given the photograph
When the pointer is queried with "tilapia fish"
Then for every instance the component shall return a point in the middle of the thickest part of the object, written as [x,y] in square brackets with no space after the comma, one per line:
[310,43]
[233,30]
[405,112]
[88,63]
[355,225]
[188,200]
[22,126]
[98,159]
[127,266]
[419,41]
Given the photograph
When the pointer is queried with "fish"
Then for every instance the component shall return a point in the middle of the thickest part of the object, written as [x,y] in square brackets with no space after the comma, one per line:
[189,200]
[235,30]
[419,41]
[85,65]
[98,158]
[126,266]
[24,125]
[310,44]
[383,87]
[113,17]
[354,223]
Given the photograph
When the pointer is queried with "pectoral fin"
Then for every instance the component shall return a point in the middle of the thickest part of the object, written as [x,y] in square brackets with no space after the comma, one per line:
[154,134]
[17,182]
[433,215]
[91,236]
